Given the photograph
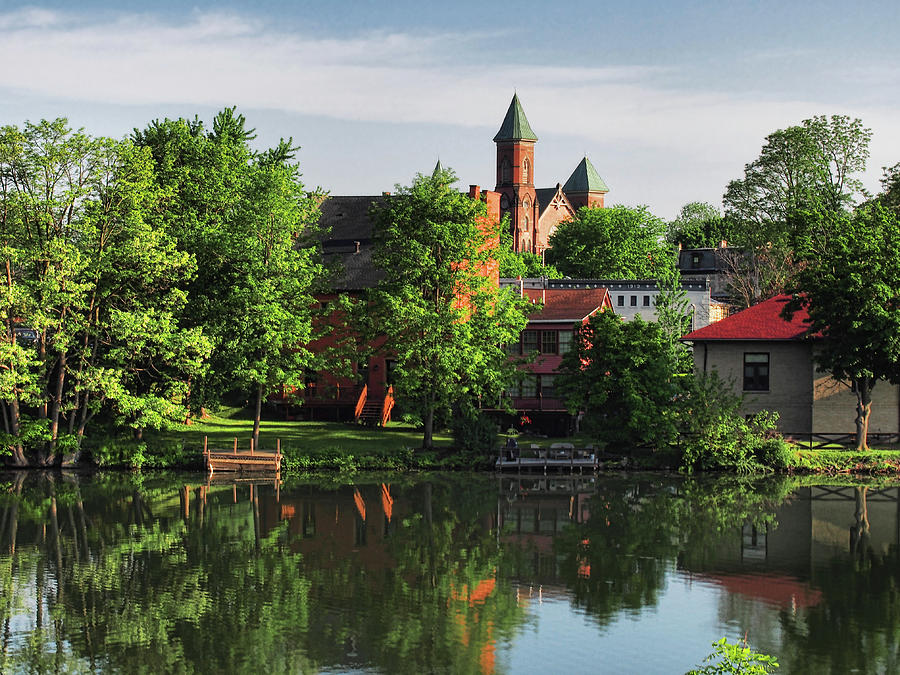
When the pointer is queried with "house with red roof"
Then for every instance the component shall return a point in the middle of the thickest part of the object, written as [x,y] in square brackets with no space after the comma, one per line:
[770,361]
[548,336]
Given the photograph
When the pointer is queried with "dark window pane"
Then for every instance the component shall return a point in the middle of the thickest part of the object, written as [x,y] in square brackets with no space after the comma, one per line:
[548,342]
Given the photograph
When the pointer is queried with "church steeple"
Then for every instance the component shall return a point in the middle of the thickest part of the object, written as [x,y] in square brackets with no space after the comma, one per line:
[515,175]
[515,125]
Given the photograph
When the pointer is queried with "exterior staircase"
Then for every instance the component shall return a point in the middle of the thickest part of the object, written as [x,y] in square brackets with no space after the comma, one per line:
[374,410]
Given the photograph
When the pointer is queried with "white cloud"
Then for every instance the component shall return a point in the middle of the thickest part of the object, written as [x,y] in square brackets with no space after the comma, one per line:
[219,59]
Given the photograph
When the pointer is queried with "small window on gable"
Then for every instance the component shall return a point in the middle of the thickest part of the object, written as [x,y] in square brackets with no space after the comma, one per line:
[756,372]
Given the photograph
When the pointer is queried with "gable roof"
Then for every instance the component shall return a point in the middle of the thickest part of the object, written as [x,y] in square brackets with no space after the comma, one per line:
[567,305]
[585,179]
[760,322]
[348,217]
[348,240]
[515,125]
[545,197]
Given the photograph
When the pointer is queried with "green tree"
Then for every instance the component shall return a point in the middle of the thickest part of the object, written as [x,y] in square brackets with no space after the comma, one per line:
[618,242]
[698,225]
[443,317]
[523,264]
[249,222]
[622,376]
[890,185]
[802,171]
[851,292]
[98,285]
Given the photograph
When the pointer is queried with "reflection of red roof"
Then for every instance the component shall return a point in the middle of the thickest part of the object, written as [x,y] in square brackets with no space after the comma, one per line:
[562,304]
[776,590]
[760,322]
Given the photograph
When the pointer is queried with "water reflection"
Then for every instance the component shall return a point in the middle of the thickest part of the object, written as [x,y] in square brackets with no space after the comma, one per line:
[445,574]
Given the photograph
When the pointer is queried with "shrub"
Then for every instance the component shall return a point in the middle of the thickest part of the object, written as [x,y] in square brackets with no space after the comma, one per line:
[717,436]
[735,659]
[474,432]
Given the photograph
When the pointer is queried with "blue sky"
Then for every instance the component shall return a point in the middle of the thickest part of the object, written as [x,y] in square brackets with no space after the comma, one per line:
[669,100]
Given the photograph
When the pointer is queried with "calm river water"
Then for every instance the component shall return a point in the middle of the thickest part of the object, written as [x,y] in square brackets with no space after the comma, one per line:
[447,573]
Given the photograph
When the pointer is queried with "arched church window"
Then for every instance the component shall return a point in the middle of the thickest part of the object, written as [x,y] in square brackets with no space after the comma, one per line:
[504,171]
[504,202]
[526,204]
[526,167]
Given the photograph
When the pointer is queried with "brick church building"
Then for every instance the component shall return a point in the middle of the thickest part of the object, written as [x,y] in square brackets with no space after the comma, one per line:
[534,212]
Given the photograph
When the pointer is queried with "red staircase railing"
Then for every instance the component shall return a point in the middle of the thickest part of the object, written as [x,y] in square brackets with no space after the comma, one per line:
[387,406]
[361,402]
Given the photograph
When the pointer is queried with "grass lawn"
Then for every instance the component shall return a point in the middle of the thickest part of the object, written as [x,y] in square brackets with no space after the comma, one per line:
[311,437]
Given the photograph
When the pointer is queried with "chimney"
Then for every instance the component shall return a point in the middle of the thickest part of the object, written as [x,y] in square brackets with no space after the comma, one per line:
[475,191]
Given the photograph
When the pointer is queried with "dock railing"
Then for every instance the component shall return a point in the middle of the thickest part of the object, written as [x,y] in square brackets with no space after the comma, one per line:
[242,460]
[559,456]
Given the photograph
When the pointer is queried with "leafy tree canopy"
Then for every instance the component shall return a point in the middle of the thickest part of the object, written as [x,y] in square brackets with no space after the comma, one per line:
[622,377]
[851,291]
[698,225]
[618,242]
[444,318]
[523,264]
[247,219]
[802,172]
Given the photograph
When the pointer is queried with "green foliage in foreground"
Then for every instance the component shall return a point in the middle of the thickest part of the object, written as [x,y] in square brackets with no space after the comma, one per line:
[736,658]
[632,382]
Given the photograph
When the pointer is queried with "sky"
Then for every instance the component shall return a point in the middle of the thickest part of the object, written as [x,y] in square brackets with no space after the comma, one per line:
[668,99]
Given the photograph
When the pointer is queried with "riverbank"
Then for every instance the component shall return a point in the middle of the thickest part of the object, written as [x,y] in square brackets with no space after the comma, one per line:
[330,446]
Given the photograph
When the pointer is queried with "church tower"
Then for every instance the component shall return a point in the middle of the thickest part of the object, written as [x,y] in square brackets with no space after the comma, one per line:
[585,187]
[515,176]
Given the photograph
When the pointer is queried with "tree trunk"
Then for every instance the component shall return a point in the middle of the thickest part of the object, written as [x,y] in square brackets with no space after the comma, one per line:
[258,414]
[18,452]
[428,423]
[864,387]
[50,457]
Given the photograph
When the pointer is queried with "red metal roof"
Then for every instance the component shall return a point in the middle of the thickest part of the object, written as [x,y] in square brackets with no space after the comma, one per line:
[760,322]
[562,304]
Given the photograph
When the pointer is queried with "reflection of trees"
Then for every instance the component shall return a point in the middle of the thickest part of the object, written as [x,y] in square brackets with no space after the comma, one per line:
[440,607]
[135,575]
[856,626]
[618,559]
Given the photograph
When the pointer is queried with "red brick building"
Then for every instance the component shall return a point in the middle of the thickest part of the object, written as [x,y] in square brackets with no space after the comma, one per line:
[549,335]
[533,212]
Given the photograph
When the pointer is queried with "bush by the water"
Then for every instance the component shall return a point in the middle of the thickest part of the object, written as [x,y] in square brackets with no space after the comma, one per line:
[716,436]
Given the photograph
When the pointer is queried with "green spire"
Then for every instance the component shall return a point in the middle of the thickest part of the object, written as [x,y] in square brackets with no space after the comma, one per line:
[438,169]
[515,125]
[585,179]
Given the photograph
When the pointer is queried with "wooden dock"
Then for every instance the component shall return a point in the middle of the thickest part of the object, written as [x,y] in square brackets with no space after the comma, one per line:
[235,460]
[559,457]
